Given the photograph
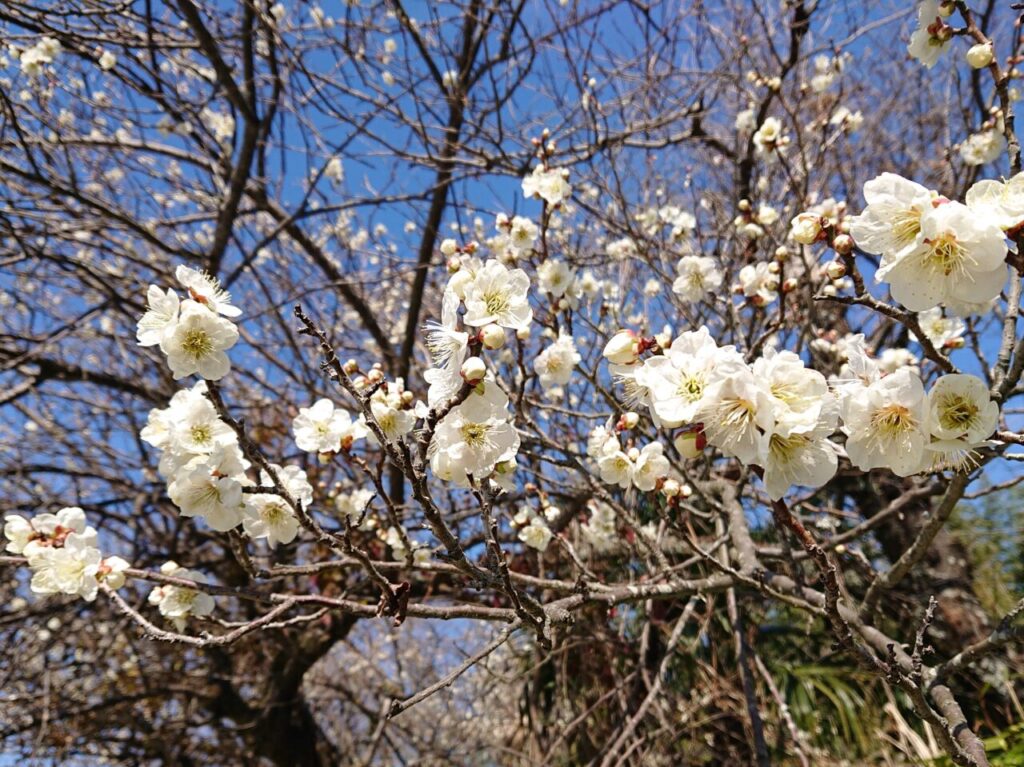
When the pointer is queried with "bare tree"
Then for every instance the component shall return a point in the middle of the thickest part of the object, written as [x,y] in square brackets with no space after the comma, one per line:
[346,172]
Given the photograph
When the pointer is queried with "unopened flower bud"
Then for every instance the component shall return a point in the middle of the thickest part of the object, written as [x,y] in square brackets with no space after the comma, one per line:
[633,454]
[955,343]
[843,245]
[946,8]
[375,376]
[407,397]
[459,282]
[689,444]
[449,247]
[630,420]
[789,284]
[350,367]
[523,333]
[492,336]
[473,370]
[622,348]
[835,270]
[805,228]
[774,267]
[454,264]
[781,253]
[980,56]
[744,205]
[671,488]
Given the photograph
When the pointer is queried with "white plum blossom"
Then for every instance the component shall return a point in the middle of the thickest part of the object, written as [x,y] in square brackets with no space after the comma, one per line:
[616,468]
[210,486]
[474,437]
[697,276]
[178,603]
[353,504]
[886,423]
[932,35]
[334,170]
[62,554]
[536,534]
[804,458]
[500,296]
[622,348]
[323,428]
[206,290]
[196,429]
[268,515]
[187,427]
[522,234]
[601,441]
[891,222]
[983,147]
[72,568]
[961,417]
[678,379]
[891,360]
[651,465]
[1002,202]
[769,136]
[733,410]
[759,283]
[943,332]
[601,529]
[197,343]
[959,256]
[960,408]
[161,315]
[45,530]
[555,364]
[555,276]
[390,412]
[549,184]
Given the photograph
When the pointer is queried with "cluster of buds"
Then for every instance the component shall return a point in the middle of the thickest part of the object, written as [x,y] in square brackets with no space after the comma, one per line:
[772,83]
[451,250]
[544,144]
[751,223]
[364,381]
[674,490]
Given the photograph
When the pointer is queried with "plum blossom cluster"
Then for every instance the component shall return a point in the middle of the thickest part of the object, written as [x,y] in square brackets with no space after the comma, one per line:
[177,602]
[62,554]
[34,60]
[641,468]
[193,331]
[783,417]
[476,438]
[206,472]
[935,251]
[890,422]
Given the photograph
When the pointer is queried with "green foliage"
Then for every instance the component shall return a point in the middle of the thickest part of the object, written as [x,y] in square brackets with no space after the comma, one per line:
[1003,750]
